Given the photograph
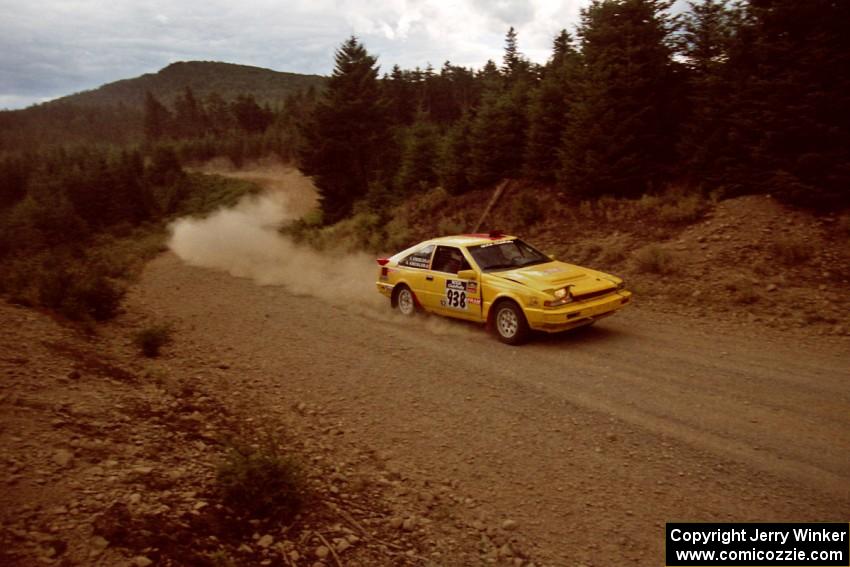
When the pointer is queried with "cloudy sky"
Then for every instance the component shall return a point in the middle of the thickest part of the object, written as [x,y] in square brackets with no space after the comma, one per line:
[50,48]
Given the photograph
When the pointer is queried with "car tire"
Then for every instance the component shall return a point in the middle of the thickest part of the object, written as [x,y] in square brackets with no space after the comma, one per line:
[509,323]
[405,301]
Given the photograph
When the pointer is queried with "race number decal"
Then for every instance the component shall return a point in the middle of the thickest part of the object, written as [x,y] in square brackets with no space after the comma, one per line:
[455,295]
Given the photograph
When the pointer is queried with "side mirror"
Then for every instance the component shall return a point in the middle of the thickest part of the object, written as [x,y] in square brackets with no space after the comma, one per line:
[467,275]
[552,257]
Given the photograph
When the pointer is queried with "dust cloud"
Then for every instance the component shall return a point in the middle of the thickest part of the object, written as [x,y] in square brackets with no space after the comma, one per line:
[245,242]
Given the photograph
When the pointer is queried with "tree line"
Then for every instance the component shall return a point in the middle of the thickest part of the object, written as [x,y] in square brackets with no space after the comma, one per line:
[749,97]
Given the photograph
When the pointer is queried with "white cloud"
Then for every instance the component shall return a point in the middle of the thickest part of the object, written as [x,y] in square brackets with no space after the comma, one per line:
[53,47]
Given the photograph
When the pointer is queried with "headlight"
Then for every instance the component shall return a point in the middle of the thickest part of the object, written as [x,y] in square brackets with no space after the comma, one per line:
[562,297]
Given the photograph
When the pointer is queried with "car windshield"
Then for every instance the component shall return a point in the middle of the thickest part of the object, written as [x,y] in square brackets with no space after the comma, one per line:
[506,255]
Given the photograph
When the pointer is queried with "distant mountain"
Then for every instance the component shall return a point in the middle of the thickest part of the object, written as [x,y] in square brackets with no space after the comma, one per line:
[203,77]
[113,113]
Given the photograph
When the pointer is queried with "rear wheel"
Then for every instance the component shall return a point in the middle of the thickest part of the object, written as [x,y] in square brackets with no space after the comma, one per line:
[510,324]
[405,302]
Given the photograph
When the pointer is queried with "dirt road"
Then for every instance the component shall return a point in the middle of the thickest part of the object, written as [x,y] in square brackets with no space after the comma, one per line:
[591,441]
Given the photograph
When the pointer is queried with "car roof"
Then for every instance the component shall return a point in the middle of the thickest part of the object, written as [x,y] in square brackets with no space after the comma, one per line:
[469,239]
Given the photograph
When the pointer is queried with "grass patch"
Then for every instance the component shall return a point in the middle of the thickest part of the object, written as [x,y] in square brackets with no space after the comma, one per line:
[450,226]
[364,231]
[150,340]
[613,253]
[205,193]
[262,483]
[654,259]
[526,208]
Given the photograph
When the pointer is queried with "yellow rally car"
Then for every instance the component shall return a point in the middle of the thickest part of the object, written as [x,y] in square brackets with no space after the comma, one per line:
[499,280]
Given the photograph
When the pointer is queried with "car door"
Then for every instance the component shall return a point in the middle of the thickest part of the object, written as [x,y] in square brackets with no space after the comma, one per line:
[451,295]
[416,268]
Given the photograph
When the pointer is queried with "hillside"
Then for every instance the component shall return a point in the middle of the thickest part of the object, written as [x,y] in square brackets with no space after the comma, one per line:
[113,113]
[204,78]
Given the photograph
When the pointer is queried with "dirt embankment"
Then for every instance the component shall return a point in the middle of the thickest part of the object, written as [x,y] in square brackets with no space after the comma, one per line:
[425,442]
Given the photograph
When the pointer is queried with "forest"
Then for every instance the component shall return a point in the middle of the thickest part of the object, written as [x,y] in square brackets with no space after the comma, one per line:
[723,99]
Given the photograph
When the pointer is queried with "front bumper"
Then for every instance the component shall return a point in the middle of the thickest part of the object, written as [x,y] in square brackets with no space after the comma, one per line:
[577,314]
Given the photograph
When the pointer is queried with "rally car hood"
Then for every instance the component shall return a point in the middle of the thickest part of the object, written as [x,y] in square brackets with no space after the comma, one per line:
[555,275]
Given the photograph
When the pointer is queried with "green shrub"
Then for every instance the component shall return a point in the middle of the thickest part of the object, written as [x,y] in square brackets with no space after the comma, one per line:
[527,210]
[432,200]
[399,235]
[684,209]
[79,288]
[261,483]
[151,339]
[449,226]
[675,206]
[654,259]
[612,252]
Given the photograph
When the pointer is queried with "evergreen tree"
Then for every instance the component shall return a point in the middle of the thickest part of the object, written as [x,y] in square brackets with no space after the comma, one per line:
[418,157]
[157,119]
[218,114]
[512,60]
[343,142]
[707,36]
[189,120]
[791,126]
[15,172]
[499,128]
[398,93]
[497,140]
[249,115]
[454,157]
[548,110]
[620,139]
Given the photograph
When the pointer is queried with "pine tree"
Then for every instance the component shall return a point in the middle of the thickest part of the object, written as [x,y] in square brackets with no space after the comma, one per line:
[500,124]
[157,119]
[249,115]
[621,137]
[418,157]
[398,93]
[791,126]
[454,157]
[189,120]
[343,142]
[707,35]
[511,61]
[497,140]
[548,110]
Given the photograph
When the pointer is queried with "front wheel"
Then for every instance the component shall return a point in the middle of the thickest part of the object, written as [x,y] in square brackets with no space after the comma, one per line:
[405,301]
[510,323]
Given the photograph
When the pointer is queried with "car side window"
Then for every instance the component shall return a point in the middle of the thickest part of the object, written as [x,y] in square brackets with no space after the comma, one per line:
[449,259]
[419,259]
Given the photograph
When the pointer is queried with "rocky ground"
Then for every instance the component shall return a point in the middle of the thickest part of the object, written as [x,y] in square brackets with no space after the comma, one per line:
[110,458]
[718,396]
